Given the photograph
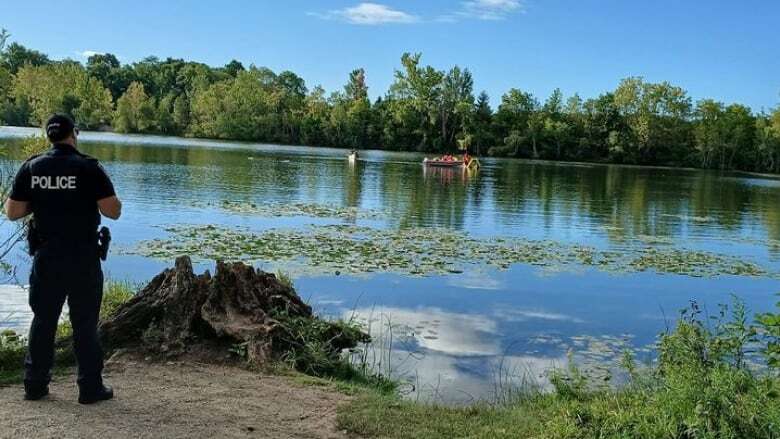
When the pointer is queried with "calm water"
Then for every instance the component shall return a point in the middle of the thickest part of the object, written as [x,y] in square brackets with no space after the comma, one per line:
[455,334]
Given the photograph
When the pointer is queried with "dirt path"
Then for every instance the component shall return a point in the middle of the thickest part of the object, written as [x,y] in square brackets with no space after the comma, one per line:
[175,400]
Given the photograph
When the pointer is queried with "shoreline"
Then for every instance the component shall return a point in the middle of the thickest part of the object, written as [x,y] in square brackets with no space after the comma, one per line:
[166,140]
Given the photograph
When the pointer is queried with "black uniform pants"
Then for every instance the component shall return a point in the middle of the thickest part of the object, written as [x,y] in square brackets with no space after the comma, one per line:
[59,272]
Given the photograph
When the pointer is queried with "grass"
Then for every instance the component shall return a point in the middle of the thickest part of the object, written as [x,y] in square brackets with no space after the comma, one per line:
[13,346]
[702,386]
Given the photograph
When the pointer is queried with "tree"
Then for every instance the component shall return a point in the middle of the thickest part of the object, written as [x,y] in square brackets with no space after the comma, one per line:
[106,68]
[709,131]
[244,108]
[4,36]
[656,115]
[164,115]
[135,111]
[415,95]
[768,140]
[15,56]
[233,67]
[314,124]
[75,93]
[514,120]
[456,102]
[181,114]
[480,128]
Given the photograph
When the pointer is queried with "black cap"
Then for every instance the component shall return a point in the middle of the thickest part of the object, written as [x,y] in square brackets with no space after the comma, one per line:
[59,127]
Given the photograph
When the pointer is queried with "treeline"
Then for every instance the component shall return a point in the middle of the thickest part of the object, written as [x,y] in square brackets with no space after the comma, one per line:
[425,109]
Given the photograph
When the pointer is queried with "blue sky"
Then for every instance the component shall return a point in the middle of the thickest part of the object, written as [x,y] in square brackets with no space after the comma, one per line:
[725,50]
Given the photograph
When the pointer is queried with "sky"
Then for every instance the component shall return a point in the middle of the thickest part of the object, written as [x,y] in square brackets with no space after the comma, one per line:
[726,50]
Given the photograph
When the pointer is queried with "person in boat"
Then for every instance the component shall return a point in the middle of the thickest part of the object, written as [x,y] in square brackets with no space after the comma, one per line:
[466,158]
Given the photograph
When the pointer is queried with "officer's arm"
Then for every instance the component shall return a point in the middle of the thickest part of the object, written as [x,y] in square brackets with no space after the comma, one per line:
[110,207]
[16,209]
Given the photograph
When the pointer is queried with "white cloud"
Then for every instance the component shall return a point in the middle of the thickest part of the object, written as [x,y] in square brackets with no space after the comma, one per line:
[88,53]
[484,10]
[369,14]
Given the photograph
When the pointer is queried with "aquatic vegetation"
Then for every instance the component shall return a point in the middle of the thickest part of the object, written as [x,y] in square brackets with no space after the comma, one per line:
[347,248]
[275,210]
[694,263]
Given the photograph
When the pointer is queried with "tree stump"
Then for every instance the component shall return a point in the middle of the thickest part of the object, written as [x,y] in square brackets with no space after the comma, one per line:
[238,305]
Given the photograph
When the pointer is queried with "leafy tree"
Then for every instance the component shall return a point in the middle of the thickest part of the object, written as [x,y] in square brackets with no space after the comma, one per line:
[164,115]
[106,68]
[62,88]
[481,124]
[181,114]
[656,116]
[15,56]
[513,120]
[415,95]
[456,104]
[233,67]
[135,111]
[768,141]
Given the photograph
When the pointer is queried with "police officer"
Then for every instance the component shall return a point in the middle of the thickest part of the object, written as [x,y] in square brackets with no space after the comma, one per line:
[66,191]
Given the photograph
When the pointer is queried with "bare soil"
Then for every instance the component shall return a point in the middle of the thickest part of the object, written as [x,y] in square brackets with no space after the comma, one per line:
[176,400]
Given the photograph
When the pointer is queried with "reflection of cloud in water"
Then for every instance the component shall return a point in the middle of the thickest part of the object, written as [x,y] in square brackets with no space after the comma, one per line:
[475,280]
[14,312]
[435,329]
[445,378]
[522,315]
[452,357]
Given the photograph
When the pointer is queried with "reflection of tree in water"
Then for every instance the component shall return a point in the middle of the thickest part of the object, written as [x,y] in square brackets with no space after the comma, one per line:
[434,197]
[353,183]
[625,201]
[630,201]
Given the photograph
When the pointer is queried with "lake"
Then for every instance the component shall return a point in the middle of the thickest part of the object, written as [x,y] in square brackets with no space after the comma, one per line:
[482,279]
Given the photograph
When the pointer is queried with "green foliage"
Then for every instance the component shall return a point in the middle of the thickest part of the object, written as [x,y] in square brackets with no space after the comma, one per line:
[77,94]
[135,111]
[769,325]
[34,144]
[425,109]
[15,56]
[115,293]
[12,351]
[13,348]
[313,346]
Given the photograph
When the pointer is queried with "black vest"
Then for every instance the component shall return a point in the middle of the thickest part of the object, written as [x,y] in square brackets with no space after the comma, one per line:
[62,196]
